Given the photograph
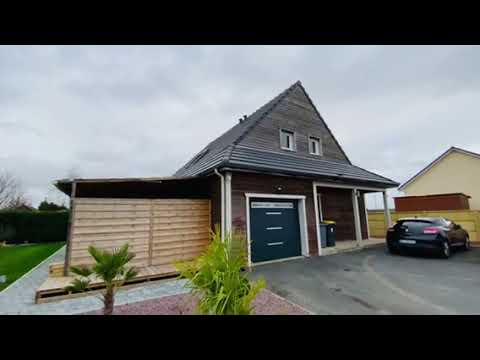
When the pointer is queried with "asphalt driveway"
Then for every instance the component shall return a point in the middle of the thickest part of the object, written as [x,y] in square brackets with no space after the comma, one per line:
[372,281]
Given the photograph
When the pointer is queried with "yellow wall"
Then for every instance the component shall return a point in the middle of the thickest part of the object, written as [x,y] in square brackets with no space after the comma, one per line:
[455,173]
[468,219]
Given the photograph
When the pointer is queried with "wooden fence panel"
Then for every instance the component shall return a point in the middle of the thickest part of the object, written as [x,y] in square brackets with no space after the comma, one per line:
[159,231]
[468,219]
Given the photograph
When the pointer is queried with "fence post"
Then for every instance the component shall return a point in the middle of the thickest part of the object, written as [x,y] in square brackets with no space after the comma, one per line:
[477,224]
[71,219]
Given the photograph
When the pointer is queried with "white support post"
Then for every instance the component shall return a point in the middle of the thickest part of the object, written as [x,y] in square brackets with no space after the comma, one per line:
[366,215]
[317,219]
[356,217]
[228,203]
[388,218]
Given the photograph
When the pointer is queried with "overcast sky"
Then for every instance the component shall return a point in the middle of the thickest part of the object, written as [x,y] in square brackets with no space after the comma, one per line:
[137,111]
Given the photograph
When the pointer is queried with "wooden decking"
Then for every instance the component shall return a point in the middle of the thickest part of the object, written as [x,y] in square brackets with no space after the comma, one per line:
[53,288]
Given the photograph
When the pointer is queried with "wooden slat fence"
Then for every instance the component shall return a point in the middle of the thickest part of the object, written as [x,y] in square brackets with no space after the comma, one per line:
[468,219]
[159,231]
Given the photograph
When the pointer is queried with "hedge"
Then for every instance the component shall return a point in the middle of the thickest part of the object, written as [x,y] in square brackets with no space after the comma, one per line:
[19,227]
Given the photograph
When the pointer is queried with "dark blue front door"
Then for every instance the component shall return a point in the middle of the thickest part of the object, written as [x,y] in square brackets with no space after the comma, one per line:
[274,229]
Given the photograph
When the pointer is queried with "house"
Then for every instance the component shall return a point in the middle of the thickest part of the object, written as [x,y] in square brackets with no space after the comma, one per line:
[275,175]
[456,171]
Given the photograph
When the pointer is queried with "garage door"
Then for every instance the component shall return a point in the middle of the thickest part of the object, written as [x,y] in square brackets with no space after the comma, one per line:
[274,229]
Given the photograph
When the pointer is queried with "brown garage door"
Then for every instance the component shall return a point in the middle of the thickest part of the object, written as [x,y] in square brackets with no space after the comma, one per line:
[159,231]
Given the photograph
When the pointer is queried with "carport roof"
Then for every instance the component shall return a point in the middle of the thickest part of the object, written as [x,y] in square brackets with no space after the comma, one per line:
[65,185]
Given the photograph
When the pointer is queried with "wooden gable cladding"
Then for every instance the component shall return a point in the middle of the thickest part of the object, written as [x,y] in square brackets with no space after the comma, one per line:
[295,113]
[159,231]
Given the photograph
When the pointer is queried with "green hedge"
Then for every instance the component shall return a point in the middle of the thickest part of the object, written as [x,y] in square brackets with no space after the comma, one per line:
[19,227]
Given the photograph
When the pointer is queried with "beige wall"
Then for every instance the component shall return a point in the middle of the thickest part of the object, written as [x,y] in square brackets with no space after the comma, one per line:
[455,173]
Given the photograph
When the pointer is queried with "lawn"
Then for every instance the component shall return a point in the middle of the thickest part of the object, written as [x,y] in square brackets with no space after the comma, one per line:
[17,260]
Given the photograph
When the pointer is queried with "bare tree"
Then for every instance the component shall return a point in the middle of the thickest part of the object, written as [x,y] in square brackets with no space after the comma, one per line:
[11,193]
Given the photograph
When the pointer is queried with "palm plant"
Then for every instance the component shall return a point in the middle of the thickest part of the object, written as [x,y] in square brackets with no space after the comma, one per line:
[111,267]
[218,279]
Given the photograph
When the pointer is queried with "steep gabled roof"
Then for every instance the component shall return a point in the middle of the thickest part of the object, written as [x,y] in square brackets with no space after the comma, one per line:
[226,151]
[436,161]
[219,149]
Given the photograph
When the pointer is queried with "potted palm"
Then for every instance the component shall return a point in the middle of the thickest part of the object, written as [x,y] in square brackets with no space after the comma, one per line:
[111,267]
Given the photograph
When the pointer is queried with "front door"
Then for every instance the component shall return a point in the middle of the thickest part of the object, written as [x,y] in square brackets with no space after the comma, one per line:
[274,229]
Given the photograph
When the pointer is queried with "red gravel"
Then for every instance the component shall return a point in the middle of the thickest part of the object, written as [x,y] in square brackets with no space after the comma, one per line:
[266,303]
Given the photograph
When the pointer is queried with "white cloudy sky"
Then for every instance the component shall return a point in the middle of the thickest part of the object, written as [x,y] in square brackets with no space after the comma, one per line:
[115,111]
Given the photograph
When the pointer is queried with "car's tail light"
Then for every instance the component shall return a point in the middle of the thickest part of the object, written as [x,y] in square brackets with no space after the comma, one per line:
[431,230]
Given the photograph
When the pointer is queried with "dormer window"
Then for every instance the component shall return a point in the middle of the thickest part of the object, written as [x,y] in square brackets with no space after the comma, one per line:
[315,145]
[287,140]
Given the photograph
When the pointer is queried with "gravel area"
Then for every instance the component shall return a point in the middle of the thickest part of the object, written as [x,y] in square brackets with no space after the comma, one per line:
[266,303]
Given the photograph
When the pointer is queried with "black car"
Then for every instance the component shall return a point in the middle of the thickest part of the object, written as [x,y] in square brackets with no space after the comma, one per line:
[436,234]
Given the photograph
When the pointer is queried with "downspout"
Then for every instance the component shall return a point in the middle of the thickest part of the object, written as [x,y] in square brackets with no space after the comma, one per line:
[222,201]
[228,203]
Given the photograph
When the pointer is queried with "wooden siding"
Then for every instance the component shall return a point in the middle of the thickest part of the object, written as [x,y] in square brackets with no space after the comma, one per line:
[255,183]
[216,200]
[337,206]
[294,113]
[432,202]
[159,231]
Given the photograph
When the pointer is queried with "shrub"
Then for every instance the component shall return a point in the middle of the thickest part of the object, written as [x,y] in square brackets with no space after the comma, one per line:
[218,279]
[19,226]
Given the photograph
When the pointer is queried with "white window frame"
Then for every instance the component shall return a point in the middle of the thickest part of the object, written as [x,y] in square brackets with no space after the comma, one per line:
[293,138]
[318,139]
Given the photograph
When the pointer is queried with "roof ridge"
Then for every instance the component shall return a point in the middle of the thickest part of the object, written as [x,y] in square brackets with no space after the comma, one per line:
[271,105]
[434,161]
[324,122]
[280,96]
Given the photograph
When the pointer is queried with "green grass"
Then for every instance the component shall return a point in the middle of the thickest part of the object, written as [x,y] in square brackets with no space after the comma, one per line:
[17,260]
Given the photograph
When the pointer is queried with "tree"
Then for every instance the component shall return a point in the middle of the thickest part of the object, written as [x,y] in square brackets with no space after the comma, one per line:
[111,267]
[50,206]
[11,193]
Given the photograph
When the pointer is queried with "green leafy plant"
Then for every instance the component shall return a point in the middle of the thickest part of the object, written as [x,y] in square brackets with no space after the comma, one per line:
[110,267]
[217,277]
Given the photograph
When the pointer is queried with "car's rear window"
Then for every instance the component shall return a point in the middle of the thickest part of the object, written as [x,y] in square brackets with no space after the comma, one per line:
[415,226]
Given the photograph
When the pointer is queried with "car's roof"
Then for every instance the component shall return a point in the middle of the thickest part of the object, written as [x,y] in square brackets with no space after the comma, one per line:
[420,218]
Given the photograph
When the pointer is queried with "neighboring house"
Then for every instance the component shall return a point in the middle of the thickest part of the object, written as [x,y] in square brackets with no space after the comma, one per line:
[274,175]
[454,171]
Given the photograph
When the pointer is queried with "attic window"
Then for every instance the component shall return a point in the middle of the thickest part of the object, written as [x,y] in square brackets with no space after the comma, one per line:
[287,140]
[199,156]
[315,145]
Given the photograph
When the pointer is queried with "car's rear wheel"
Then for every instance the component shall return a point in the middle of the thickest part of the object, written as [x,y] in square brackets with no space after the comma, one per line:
[466,247]
[446,251]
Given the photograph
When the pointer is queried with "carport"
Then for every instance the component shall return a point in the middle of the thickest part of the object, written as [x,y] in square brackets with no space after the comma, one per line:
[346,205]
[164,220]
